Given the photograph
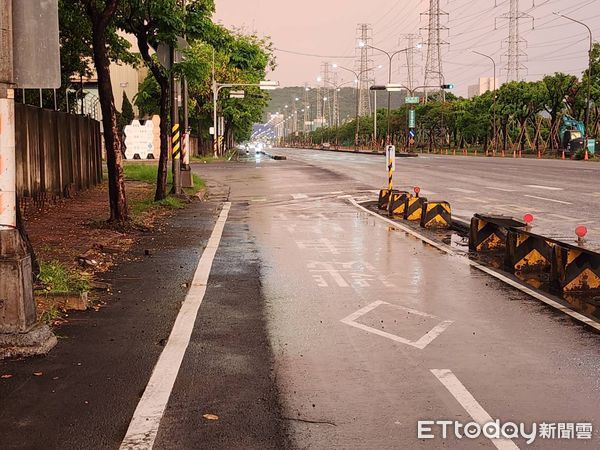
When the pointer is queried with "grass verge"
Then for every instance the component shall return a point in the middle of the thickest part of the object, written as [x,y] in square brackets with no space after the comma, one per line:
[55,278]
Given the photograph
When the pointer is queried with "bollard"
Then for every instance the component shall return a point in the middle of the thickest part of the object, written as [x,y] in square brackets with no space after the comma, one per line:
[436,215]
[414,207]
[397,205]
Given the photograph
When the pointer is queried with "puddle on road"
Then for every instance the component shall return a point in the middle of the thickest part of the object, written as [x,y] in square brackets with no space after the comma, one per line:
[586,304]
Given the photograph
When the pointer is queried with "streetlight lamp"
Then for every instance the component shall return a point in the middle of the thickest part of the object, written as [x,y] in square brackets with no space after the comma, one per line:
[495,98]
[356,81]
[589,83]
[390,56]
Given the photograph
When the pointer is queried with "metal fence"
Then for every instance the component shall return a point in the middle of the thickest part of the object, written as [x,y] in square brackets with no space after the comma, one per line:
[57,153]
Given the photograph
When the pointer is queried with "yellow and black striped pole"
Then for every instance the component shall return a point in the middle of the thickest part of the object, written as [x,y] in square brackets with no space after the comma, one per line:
[390,153]
[176,142]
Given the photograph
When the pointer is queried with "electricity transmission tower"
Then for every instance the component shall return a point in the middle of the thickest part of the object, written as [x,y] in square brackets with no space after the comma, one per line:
[434,74]
[364,65]
[335,118]
[515,55]
[326,79]
[409,41]
[306,103]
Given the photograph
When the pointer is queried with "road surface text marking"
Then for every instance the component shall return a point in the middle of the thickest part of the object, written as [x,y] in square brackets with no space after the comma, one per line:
[143,428]
[421,343]
[468,402]
[533,293]
[547,188]
[548,199]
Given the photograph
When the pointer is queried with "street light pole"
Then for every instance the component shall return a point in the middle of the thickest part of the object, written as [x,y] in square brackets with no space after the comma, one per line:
[495,99]
[390,56]
[589,81]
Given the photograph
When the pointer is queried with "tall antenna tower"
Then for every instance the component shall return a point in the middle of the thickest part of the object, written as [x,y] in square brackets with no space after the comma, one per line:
[515,55]
[409,41]
[364,66]
[434,74]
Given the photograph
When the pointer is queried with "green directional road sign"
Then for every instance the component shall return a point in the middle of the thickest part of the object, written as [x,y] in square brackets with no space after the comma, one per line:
[411,100]
[412,119]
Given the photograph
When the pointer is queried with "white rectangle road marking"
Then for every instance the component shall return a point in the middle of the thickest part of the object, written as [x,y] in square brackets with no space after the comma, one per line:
[547,188]
[464,191]
[548,199]
[143,427]
[476,200]
[468,402]
[299,196]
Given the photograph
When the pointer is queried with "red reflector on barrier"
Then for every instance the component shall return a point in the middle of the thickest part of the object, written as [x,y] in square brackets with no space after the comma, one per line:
[581,231]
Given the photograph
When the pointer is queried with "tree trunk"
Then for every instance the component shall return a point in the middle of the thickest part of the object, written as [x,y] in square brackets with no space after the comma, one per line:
[163,160]
[114,156]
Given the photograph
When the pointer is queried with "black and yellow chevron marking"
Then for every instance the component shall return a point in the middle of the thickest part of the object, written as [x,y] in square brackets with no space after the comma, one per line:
[176,142]
[436,215]
[398,205]
[384,198]
[486,236]
[577,270]
[414,207]
[528,252]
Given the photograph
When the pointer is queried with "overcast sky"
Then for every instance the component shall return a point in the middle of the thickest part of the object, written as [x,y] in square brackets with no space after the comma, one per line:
[327,28]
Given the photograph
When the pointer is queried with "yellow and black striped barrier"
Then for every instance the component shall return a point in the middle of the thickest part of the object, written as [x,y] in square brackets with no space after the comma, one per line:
[528,252]
[488,233]
[414,208]
[398,204]
[436,215]
[384,198]
[176,142]
[576,269]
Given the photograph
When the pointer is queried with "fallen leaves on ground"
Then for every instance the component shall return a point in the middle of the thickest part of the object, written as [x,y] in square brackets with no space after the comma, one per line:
[210,416]
[6,375]
[38,374]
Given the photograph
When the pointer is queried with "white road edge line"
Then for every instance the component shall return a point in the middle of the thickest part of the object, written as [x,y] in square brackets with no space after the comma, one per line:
[547,188]
[548,199]
[537,295]
[471,406]
[143,427]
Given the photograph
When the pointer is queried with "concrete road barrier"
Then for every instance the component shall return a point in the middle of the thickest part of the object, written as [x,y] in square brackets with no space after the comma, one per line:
[384,197]
[528,252]
[436,215]
[576,269]
[399,202]
[488,233]
[414,208]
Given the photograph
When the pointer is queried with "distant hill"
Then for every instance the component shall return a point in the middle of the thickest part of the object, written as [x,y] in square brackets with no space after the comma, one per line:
[285,96]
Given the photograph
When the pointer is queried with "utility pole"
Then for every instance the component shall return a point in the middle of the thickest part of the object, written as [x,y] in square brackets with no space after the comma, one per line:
[20,334]
[495,91]
[186,172]
[306,104]
[433,66]
[175,130]
[515,54]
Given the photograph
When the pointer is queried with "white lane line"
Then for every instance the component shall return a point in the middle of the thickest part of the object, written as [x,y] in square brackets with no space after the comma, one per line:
[143,427]
[257,200]
[558,216]
[475,200]
[426,192]
[465,260]
[299,196]
[471,406]
[500,189]
[464,191]
[548,199]
[547,188]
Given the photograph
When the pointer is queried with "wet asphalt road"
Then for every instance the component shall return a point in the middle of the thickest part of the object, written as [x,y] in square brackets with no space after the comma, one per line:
[560,194]
[335,280]
[322,327]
